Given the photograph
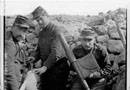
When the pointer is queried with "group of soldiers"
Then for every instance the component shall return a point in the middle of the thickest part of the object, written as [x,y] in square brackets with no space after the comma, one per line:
[55,67]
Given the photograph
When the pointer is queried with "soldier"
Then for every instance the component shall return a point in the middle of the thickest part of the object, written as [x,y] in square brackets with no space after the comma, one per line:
[13,55]
[55,69]
[88,46]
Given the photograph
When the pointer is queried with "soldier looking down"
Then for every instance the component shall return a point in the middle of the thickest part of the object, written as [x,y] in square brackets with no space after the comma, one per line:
[13,55]
[54,68]
[88,47]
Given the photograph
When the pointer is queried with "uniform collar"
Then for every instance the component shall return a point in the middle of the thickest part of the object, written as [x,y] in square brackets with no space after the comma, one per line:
[47,27]
[87,51]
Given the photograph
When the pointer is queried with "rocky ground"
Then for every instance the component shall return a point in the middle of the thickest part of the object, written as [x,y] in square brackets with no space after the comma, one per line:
[103,24]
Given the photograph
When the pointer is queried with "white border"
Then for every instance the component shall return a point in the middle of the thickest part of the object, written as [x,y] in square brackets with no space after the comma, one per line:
[1,44]
[128,46]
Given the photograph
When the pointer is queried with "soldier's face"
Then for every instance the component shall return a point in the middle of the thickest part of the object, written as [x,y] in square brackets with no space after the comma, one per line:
[19,33]
[87,43]
[42,21]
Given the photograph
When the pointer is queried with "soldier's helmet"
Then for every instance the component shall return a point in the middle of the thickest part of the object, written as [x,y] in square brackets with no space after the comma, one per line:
[21,21]
[38,12]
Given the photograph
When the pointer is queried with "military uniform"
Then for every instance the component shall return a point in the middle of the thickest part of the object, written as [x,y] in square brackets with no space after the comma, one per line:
[99,53]
[93,60]
[49,47]
[14,58]
[100,56]
[51,53]
[10,70]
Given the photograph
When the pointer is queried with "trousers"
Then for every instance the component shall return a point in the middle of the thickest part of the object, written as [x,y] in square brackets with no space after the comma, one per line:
[56,77]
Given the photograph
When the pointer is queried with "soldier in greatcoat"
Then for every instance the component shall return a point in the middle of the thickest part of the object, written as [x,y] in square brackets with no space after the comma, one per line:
[14,56]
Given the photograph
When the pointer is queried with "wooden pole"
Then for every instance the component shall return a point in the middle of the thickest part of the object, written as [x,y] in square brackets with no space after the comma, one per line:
[121,35]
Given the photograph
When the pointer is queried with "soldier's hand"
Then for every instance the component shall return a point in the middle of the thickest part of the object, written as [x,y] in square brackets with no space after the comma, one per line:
[40,70]
[31,59]
[95,74]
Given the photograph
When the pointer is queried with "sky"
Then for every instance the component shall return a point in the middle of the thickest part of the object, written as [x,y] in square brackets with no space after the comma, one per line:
[69,7]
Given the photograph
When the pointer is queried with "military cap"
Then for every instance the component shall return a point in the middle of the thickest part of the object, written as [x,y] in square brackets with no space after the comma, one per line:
[87,34]
[39,11]
[21,21]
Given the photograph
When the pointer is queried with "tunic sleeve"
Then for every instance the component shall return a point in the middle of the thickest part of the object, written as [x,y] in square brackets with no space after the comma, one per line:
[10,76]
[56,52]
